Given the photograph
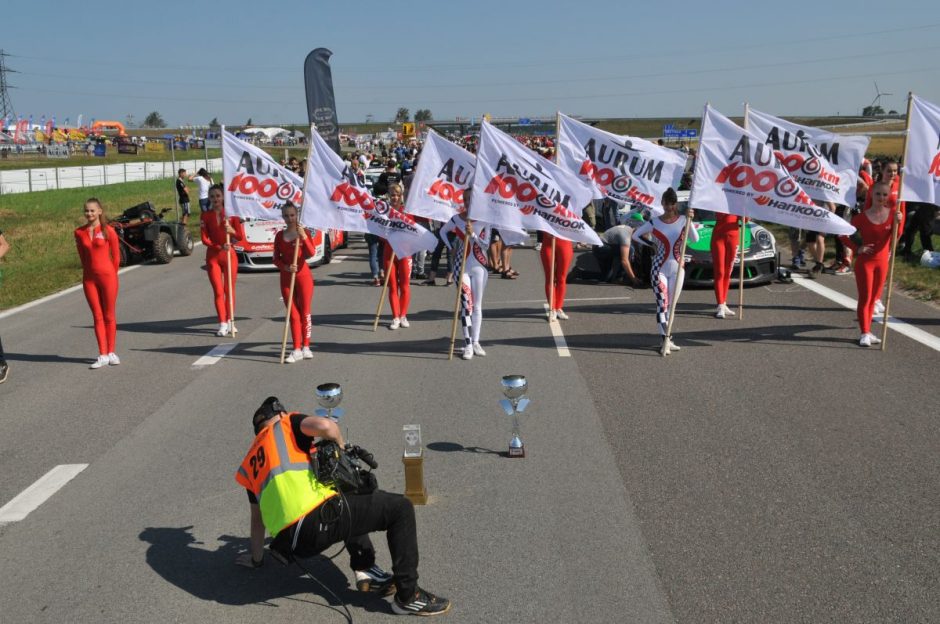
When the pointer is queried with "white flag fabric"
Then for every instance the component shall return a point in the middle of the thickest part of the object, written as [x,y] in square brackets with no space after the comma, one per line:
[921,179]
[444,172]
[625,169]
[825,164]
[737,173]
[334,198]
[255,185]
[516,189]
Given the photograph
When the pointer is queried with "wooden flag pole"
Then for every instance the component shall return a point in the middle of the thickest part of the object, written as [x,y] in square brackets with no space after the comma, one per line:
[680,276]
[747,110]
[388,275]
[894,227]
[290,296]
[551,272]
[228,272]
[463,267]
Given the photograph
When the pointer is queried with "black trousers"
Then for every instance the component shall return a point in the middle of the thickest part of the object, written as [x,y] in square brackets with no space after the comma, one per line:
[920,218]
[350,520]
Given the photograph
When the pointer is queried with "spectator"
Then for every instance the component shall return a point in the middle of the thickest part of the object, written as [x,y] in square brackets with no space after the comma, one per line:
[183,195]
[204,181]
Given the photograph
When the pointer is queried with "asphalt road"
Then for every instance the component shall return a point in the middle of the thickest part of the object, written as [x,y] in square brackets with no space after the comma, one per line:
[772,471]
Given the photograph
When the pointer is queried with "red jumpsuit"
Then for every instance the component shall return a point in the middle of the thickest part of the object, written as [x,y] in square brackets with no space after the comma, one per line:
[217,260]
[399,281]
[100,258]
[564,254]
[301,321]
[725,240]
[871,269]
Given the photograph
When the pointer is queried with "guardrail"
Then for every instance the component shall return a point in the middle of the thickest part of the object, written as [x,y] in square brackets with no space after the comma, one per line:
[52,178]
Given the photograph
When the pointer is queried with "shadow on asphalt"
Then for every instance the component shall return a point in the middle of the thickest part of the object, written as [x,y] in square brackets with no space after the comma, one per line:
[454,447]
[50,358]
[201,326]
[212,575]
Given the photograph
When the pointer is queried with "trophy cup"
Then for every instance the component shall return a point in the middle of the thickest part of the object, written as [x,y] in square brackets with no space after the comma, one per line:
[329,396]
[514,388]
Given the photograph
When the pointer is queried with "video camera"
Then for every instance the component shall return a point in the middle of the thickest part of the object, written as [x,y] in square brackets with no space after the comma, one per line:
[344,468]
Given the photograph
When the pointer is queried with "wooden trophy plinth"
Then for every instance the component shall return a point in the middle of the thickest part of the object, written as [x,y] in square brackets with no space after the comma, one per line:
[415,491]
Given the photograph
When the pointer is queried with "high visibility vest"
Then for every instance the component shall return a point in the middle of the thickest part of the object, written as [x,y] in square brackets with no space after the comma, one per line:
[277,471]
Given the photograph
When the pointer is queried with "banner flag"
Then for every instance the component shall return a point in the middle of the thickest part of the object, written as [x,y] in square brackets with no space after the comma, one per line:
[335,199]
[921,179]
[444,173]
[516,189]
[256,186]
[824,163]
[321,104]
[626,169]
[736,172]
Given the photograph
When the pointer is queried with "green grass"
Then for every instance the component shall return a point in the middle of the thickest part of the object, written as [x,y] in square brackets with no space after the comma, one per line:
[42,257]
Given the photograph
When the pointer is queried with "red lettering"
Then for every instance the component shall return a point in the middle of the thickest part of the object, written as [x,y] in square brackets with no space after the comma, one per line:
[935,166]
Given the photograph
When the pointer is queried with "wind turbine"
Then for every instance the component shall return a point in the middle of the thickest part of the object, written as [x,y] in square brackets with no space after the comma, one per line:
[878,94]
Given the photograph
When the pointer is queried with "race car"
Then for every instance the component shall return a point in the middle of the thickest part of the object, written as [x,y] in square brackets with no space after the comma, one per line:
[256,252]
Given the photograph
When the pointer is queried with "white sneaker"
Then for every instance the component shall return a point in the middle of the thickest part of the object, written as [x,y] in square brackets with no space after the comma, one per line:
[879,307]
[307,353]
[467,353]
[720,312]
[478,350]
[561,314]
[404,322]
[295,356]
[223,329]
[113,359]
[728,311]
[552,316]
[874,339]
[395,324]
[538,246]
[101,361]
[865,340]
[664,347]
[673,346]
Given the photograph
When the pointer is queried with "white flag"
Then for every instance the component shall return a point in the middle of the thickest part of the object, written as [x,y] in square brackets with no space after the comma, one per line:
[444,172]
[825,164]
[921,179]
[334,198]
[255,184]
[625,169]
[737,173]
[516,189]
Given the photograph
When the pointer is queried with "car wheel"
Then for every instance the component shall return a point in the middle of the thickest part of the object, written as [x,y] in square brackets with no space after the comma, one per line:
[163,248]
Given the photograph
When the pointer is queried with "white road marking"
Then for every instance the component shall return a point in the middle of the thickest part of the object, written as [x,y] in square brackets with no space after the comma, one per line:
[558,335]
[39,492]
[567,300]
[338,259]
[53,296]
[914,333]
[218,352]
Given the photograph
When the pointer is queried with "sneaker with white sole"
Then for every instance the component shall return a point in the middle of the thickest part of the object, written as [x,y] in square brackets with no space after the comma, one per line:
[664,347]
[113,359]
[478,350]
[223,329]
[307,353]
[4,370]
[422,603]
[552,316]
[865,340]
[467,353]
[561,314]
[295,356]
[404,322]
[395,324]
[673,346]
[101,361]
[720,312]
[728,311]
[375,580]
[874,339]
[879,307]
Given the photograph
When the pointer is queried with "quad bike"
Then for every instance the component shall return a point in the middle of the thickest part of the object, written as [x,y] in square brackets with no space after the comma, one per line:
[144,235]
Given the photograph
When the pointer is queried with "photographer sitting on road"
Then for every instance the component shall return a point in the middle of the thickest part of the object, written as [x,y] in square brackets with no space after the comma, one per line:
[306,516]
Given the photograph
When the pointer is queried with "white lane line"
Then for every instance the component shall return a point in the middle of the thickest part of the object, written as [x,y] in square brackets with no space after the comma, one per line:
[217,352]
[914,333]
[558,335]
[53,296]
[338,259]
[39,492]
[566,300]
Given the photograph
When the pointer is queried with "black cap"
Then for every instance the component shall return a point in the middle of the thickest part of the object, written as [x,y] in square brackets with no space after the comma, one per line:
[270,408]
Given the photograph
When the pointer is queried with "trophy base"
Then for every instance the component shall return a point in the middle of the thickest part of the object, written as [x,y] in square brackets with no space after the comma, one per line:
[516,451]
[415,490]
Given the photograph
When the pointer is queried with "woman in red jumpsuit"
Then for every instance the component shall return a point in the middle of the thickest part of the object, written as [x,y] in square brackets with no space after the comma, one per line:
[725,239]
[100,253]
[300,320]
[398,273]
[564,252]
[220,255]
[872,244]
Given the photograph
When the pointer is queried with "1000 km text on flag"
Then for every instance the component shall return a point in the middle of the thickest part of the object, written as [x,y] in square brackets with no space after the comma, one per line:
[738,173]
[255,185]
[444,173]
[334,198]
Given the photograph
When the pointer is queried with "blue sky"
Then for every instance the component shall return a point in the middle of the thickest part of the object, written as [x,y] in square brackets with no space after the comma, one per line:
[192,61]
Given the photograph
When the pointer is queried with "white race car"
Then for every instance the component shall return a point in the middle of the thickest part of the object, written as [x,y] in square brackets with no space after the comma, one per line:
[256,252]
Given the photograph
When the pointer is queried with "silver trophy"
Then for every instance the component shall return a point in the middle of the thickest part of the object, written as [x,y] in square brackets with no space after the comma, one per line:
[329,396]
[514,389]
